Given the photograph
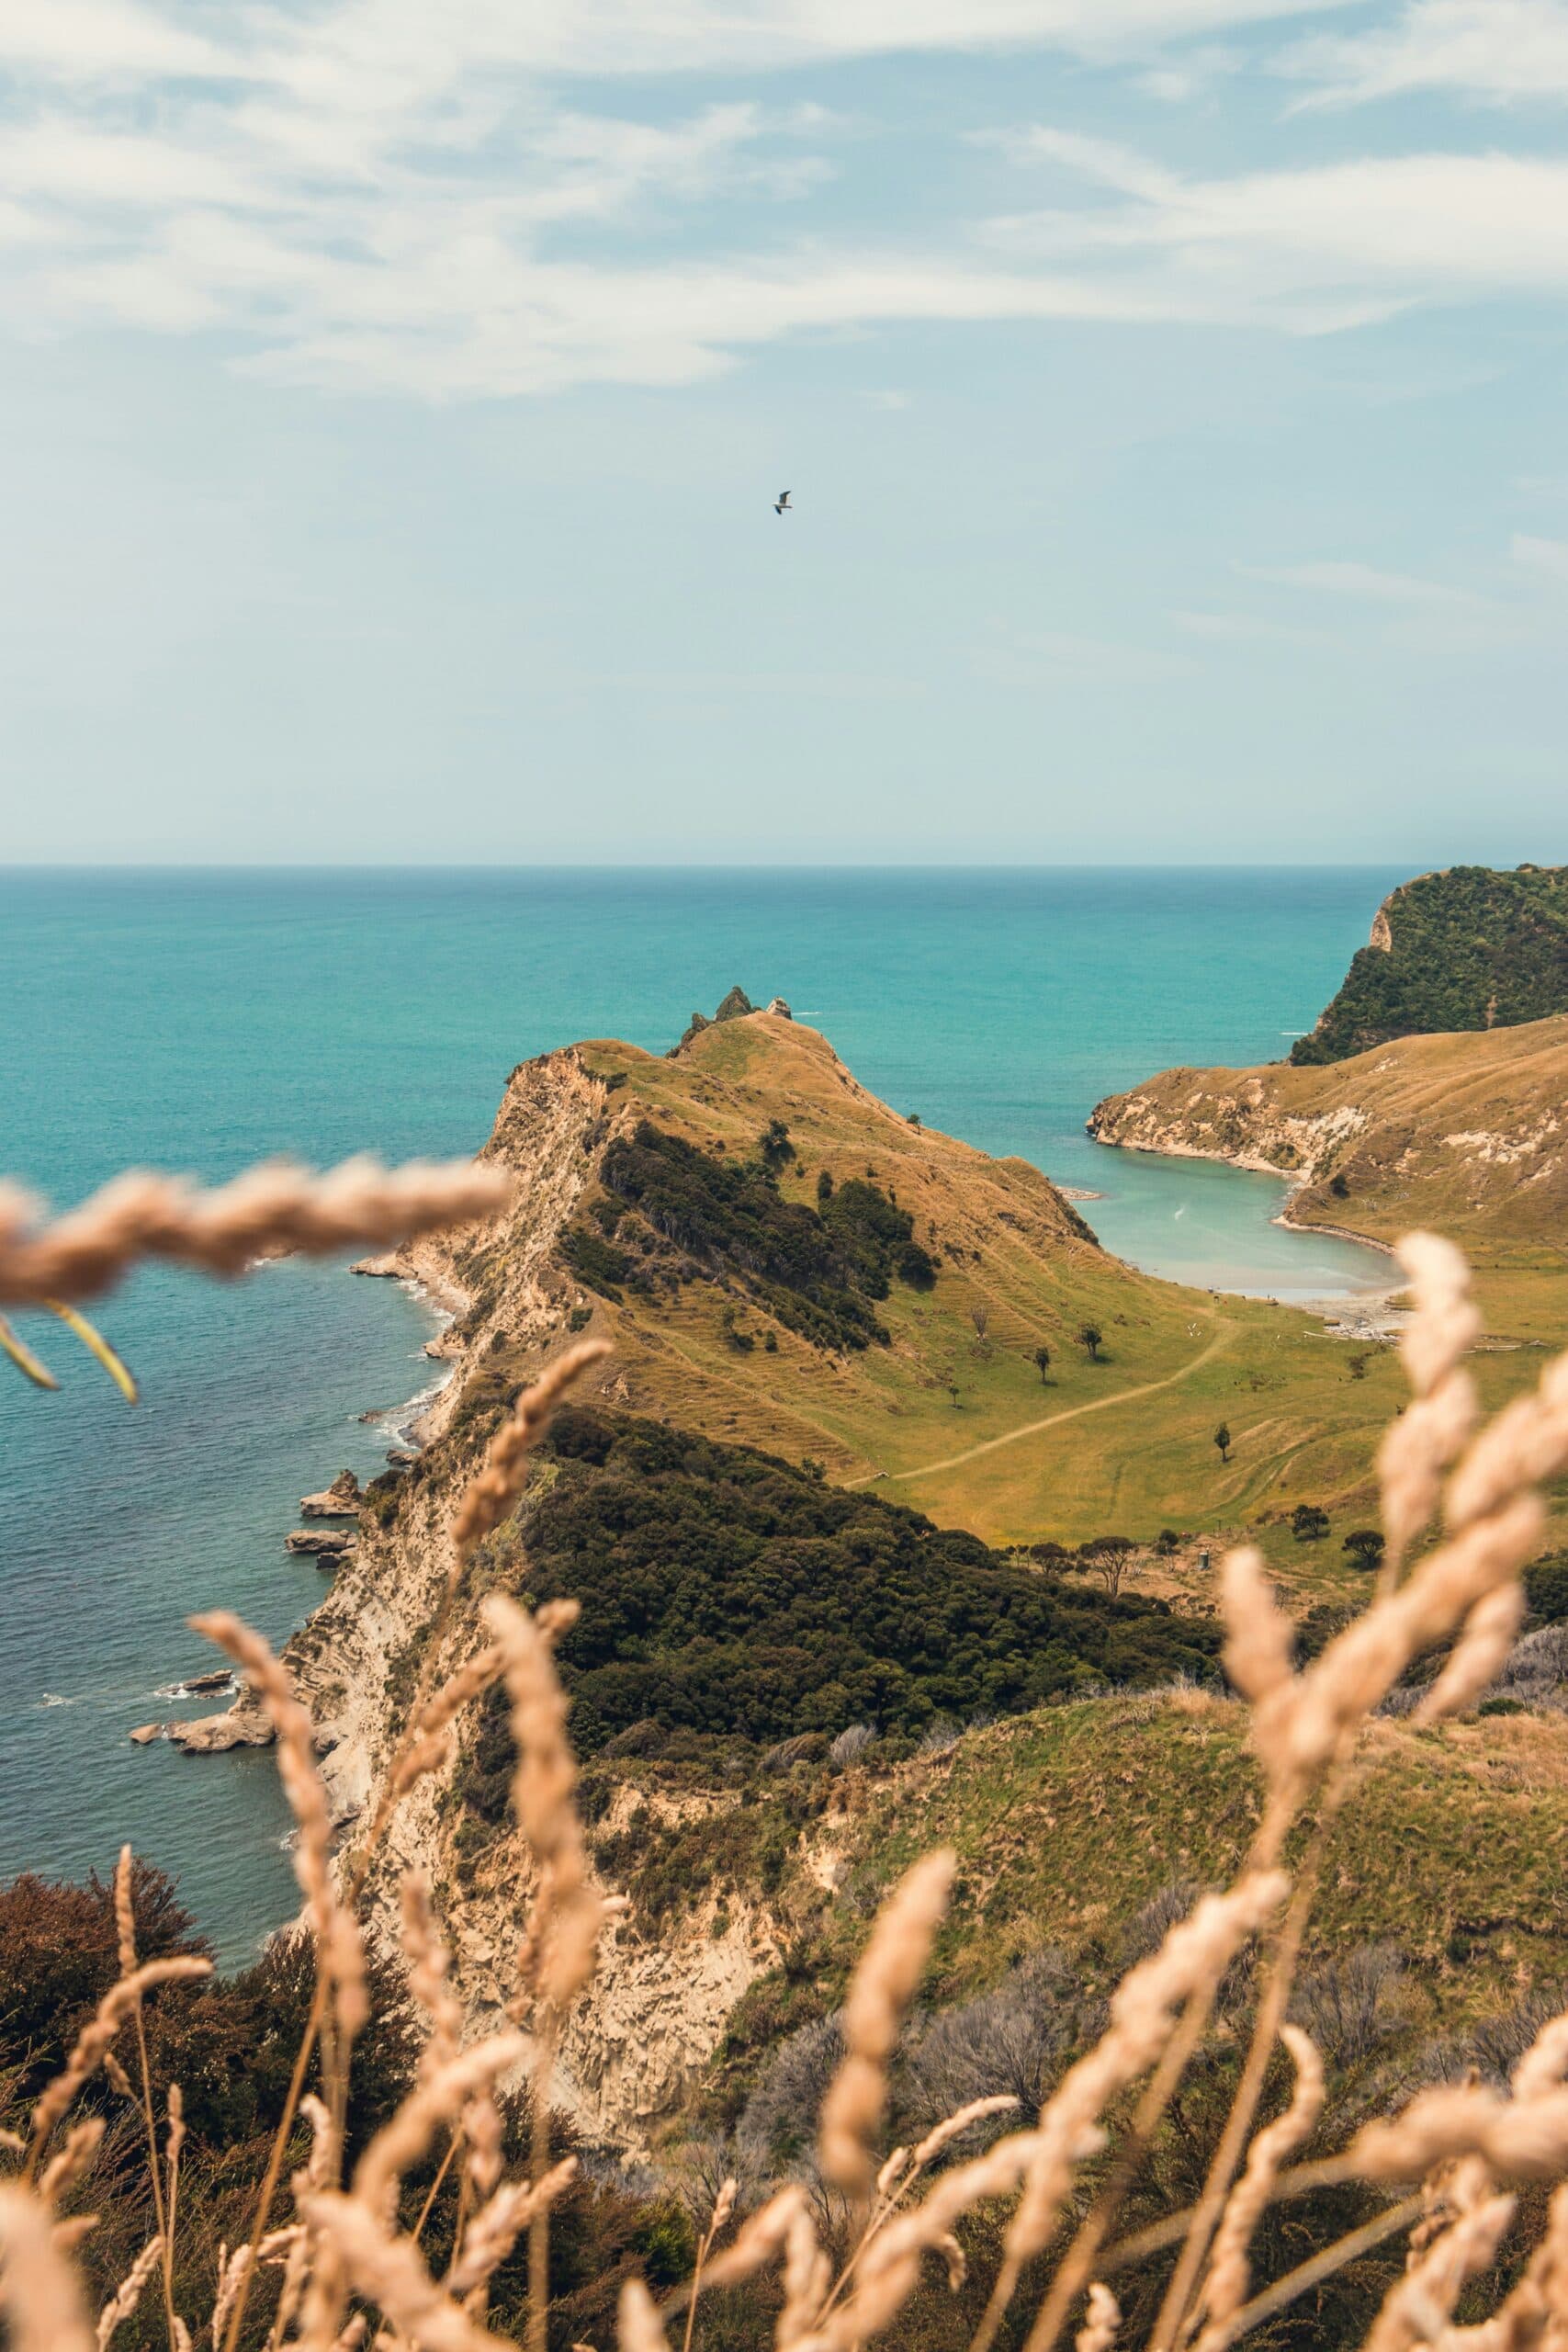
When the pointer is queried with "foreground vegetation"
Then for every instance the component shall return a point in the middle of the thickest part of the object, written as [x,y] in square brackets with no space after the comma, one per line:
[1119,2179]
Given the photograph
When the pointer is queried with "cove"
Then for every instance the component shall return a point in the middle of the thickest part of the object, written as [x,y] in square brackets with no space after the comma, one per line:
[1201,1222]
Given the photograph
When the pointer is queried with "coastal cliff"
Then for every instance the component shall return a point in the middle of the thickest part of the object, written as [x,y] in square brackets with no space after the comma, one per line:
[778,1259]
[1465,1133]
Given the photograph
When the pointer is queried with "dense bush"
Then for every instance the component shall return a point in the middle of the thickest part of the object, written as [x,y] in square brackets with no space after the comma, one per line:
[735,1596]
[230,2044]
[1472,949]
[677,1212]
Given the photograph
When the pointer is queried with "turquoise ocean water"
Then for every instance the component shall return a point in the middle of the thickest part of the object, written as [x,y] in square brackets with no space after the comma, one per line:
[198,1020]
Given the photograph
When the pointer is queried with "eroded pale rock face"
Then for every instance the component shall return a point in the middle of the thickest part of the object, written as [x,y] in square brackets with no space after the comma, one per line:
[324,1543]
[340,1500]
[243,1726]
[651,2020]
[1241,1127]
[640,2035]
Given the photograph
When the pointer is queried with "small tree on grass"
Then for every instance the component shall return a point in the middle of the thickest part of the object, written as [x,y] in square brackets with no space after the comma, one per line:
[1222,1440]
[775,1146]
[980,1316]
[1112,1558]
[1366,1547]
[1042,1356]
[1308,1524]
[1089,1337]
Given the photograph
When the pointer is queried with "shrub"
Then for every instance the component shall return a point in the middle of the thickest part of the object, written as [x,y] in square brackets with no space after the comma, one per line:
[734,1595]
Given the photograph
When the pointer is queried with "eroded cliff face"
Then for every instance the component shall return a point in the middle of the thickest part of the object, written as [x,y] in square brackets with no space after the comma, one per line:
[1466,1132]
[656,2011]
[1187,1115]
[557,1266]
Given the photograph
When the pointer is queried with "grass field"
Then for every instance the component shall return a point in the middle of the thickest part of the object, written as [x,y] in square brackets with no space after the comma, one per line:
[1067,1821]
[955,1419]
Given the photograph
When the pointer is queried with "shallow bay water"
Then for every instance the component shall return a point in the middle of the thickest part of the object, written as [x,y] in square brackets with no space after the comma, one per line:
[197,1020]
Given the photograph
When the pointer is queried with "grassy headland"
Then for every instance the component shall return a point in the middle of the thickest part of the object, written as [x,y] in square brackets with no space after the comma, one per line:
[1469,948]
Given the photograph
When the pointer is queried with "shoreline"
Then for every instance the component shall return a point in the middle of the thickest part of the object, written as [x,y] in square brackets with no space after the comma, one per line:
[1354,1314]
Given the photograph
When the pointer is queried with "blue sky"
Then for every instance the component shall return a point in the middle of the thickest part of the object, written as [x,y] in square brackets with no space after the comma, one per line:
[1172,394]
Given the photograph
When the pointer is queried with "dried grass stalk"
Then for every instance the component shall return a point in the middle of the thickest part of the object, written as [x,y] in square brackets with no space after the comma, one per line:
[39,2299]
[66,2167]
[339,1951]
[807,2276]
[1522,2139]
[640,2328]
[264,1213]
[498,2224]
[1488,1635]
[118,2004]
[128,2294]
[568,1913]
[1526,1445]
[1229,2271]
[1419,2307]
[1447,1322]
[761,2238]
[438,2098]
[428,1746]
[1100,2329]
[881,1990]
[493,1492]
[388,2272]
[1194,1956]
[1361,1665]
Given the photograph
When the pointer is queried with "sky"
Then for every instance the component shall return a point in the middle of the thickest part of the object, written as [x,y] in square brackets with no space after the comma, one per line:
[1171,394]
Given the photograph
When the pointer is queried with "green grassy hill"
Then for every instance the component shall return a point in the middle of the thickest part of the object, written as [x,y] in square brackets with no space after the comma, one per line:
[872,1295]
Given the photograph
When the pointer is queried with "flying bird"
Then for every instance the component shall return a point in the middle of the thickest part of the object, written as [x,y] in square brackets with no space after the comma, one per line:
[781,503]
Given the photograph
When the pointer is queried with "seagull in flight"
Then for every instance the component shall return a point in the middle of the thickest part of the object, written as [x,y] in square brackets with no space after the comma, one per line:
[781,504]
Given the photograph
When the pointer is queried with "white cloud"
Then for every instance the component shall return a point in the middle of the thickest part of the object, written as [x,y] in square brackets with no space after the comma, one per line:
[1364,583]
[1323,245]
[1547,557]
[377,194]
[1496,51]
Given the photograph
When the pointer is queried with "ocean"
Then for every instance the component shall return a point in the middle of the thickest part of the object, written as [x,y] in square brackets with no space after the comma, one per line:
[197,1020]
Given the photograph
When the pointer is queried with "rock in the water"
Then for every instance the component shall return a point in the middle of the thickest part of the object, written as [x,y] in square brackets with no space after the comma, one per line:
[145,1733]
[196,1685]
[340,1500]
[215,1735]
[781,1010]
[326,1543]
